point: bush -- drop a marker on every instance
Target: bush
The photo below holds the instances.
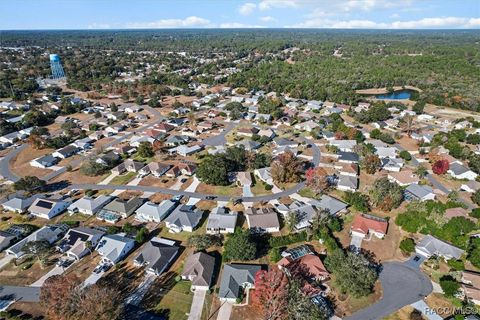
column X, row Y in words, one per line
column 282, row 241
column 475, row 213
column 456, row 264
column 268, row 187
column 274, row 254
column 405, row 155
column 449, row 286
column 407, row 245
column 29, row 183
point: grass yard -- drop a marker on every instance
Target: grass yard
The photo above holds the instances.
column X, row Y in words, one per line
column 176, row 303
column 259, row 189
column 307, row 193
column 123, row 179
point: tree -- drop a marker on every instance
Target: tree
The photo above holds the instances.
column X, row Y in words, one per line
column 204, row 241
column 213, row 170
column 421, row 171
column 357, row 200
column 419, row 106
column 354, row 274
column 141, row 235
column 407, row 245
column 371, row 163
column 449, row 286
column 405, row 155
column 271, row 293
column 29, row 183
column 140, row 100
column 145, row 150
column 91, row 168
column 291, row 220
column 286, row 168
column 474, row 163
column 317, row 179
column 440, row 166
column 474, row 252
column 239, row 246
column 301, row 307
column 386, row 195
column 476, row 197
column 64, row 298
column 407, row 124
column 39, row 249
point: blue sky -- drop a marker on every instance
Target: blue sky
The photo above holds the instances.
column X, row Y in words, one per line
column 123, row 14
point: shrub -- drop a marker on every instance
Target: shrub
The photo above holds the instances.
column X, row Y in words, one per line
column 407, row 245
column 405, row 155
column 456, row 264
column 282, row 241
column 274, row 254
column 449, row 286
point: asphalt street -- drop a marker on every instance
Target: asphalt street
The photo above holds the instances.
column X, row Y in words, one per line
column 402, row 285
column 28, row 294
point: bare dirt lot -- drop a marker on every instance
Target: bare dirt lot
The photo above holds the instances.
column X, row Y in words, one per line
column 20, row 165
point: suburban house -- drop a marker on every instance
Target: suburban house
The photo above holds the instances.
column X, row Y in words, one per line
column 308, row 126
column 84, row 144
column 344, row 145
column 348, row 157
column 6, row 239
column 403, row 178
column 155, row 168
column 47, row 208
column 365, row 225
column 114, row 247
column 392, row 164
column 282, row 142
column 431, row 246
column 150, row 211
column 79, row 242
column 459, row 171
column 50, row 233
column 119, row 208
column 184, row 218
column 198, row 269
column 262, row 220
column 44, row 161
column 470, row 186
column 19, row 204
column 330, row 204
column 220, row 221
column 303, row 256
column 247, row 132
column 185, row 150
column 264, row 175
column 419, row 192
column 349, row 169
column 235, row 279
column 457, row 212
column 187, row 168
column 128, row 165
column 244, row 178
column 108, row 158
column 87, row 205
column 65, row 152
column 156, row 255
column 471, row 286
column 347, row 183
column 249, row 145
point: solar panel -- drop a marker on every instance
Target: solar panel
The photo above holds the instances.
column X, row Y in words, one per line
column 44, row 204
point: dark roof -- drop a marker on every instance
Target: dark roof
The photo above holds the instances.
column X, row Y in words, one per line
column 234, row 276
column 157, row 255
column 348, row 156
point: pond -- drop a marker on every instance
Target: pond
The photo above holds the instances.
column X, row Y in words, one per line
column 397, row 95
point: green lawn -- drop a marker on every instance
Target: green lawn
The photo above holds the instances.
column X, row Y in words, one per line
column 176, row 303
column 308, row 193
column 259, row 189
column 123, row 179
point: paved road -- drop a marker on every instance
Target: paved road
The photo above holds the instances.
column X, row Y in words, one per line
column 4, row 164
column 192, row 194
column 402, row 285
column 197, row 304
column 219, row 140
column 28, row 294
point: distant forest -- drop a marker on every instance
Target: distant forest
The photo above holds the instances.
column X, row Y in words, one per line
column 444, row 63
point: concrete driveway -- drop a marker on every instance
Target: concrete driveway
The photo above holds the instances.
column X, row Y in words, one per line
column 5, row 260
column 225, row 311
column 402, row 285
column 55, row 271
column 93, row 278
column 197, row 304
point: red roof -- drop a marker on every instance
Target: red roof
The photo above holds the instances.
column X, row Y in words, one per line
column 363, row 224
column 312, row 262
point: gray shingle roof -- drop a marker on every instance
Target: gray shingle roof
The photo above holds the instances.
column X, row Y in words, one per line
column 233, row 278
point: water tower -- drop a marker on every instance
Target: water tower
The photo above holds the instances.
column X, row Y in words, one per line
column 56, row 66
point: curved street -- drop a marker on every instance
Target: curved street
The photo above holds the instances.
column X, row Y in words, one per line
column 268, row 197
column 402, row 285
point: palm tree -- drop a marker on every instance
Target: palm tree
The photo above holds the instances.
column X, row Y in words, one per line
column 408, row 124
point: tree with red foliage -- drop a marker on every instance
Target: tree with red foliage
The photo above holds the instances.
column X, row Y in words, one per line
column 270, row 294
column 317, row 179
column 339, row 135
column 440, row 166
column 371, row 163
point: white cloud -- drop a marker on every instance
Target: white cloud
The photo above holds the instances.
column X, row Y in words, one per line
column 247, row 8
column 268, row 4
column 395, row 16
column 96, row 25
column 425, row 23
column 368, row 5
column 238, row 25
column 268, row 19
column 192, row 21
